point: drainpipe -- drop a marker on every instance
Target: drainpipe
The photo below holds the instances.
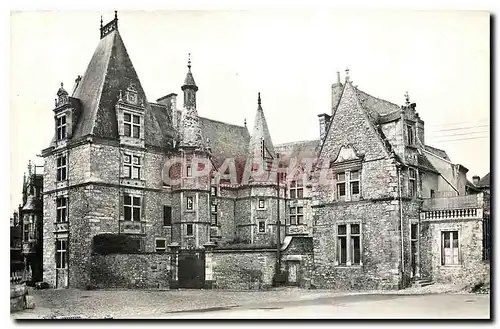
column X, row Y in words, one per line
column 401, row 221
column 278, row 229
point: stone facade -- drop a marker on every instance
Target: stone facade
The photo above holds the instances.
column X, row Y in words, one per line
column 147, row 270
column 243, row 269
column 345, row 214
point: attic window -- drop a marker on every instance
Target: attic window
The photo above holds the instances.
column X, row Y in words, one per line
column 131, row 125
column 410, row 135
column 61, row 127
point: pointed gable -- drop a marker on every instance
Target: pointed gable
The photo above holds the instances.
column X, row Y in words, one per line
column 260, row 142
column 110, row 72
column 351, row 125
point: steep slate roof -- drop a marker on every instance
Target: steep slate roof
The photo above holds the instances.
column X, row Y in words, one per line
column 225, row 140
column 299, row 150
column 424, row 163
column 260, row 132
column 109, row 71
column 437, row 152
column 376, row 107
column 485, row 181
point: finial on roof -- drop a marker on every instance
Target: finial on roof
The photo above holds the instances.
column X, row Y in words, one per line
column 189, row 61
column 347, row 74
column 101, row 22
column 338, row 77
column 29, row 168
column 407, row 98
column 245, row 122
column 116, row 14
column 258, row 99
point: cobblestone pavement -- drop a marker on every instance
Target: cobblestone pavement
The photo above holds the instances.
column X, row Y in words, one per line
column 164, row 303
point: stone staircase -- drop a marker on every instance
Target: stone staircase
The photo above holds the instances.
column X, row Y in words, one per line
column 420, row 282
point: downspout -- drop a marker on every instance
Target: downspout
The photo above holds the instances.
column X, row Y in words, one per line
column 401, row 221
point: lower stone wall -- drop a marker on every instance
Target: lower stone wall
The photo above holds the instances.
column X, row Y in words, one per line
column 471, row 268
column 147, row 270
column 297, row 257
column 243, row 269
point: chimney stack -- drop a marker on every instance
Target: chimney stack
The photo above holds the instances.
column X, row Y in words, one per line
column 476, row 179
column 324, row 120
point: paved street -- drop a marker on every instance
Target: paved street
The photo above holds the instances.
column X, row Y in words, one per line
column 446, row 306
column 279, row 303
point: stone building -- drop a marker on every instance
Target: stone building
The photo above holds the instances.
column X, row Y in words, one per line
column 146, row 194
column 26, row 228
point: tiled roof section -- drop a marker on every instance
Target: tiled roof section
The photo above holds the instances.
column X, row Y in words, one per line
column 437, row 152
column 189, row 80
column 109, row 71
column 299, row 150
column 376, row 107
column 163, row 116
column 336, row 95
column 225, row 140
column 425, row 164
column 485, row 181
column 260, row 133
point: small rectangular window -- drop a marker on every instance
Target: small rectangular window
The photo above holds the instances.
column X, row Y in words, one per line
column 340, row 185
column 296, row 189
column 61, row 210
column 167, row 216
column 61, row 253
column 412, row 182
column 410, row 135
column 262, row 226
column 189, row 171
column 355, row 244
column 189, row 203
column 262, row 204
column 342, row 244
column 132, row 166
column 189, row 229
column 131, row 208
column 213, row 190
column 449, row 248
column 161, row 246
column 61, row 167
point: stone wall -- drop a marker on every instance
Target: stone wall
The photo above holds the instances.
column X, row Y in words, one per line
column 243, row 269
column 380, row 246
column 146, row 270
column 471, row 268
column 299, row 249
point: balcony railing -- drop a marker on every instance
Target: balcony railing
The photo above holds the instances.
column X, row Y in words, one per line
column 452, row 214
column 456, row 202
column 131, row 227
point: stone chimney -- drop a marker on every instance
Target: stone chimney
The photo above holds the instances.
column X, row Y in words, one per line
column 170, row 101
column 476, row 179
column 324, row 120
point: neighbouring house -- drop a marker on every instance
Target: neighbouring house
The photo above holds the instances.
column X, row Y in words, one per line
column 16, row 258
column 30, row 225
column 125, row 204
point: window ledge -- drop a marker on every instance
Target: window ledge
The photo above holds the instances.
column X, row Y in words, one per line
column 190, row 210
column 349, row 266
column 451, row 266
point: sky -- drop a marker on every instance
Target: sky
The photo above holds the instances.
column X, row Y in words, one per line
column 442, row 58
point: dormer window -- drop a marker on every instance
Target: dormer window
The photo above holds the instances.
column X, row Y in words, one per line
column 410, row 135
column 131, row 125
column 61, row 127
